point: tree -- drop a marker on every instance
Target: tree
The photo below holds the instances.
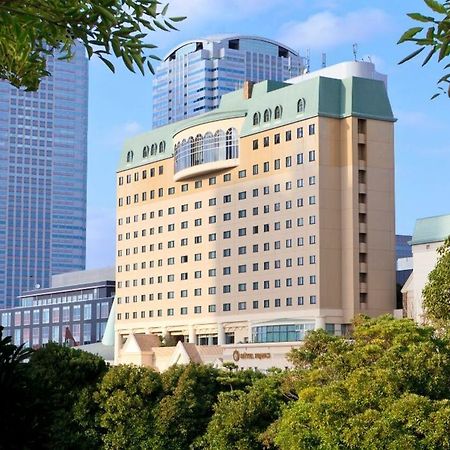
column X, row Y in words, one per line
column 241, row 418
column 57, row 375
column 183, row 414
column 386, row 387
column 31, row 31
column 434, row 36
column 436, row 294
column 15, row 396
column 122, row 407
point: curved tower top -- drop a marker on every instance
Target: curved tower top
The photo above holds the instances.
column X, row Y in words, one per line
column 234, row 41
column 195, row 74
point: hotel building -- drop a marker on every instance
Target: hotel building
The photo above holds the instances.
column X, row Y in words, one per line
column 265, row 218
column 194, row 75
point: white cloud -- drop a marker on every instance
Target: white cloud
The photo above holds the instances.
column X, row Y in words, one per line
column 326, row 30
column 132, row 128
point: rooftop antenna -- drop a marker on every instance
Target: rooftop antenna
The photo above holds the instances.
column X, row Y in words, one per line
column 369, row 58
column 355, row 51
column 308, row 60
column 324, row 60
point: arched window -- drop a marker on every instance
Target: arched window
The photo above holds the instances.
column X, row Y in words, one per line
column 145, row 151
column 162, row 146
column 183, row 158
column 267, row 115
column 256, row 118
column 231, row 144
column 190, row 146
column 198, row 150
column 130, row 156
column 219, row 145
column 301, row 105
column 153, row 149
column 208, row 147
column 278, row 111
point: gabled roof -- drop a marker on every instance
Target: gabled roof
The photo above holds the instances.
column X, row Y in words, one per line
column 431, row 229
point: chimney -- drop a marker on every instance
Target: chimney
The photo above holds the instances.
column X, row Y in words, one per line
column 248, row 88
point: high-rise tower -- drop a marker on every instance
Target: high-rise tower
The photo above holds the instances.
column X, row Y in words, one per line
column 194, row 75
column 43, row 169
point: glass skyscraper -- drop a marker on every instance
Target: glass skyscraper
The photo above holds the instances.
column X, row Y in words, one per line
column 193, row 77
column 43, row 169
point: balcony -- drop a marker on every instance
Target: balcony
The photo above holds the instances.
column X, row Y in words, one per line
column 206, row 153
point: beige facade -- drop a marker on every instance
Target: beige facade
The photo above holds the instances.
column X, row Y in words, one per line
column 429, row 235
column 293, row 229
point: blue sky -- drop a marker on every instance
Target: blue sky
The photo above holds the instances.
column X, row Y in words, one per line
column 120, row 105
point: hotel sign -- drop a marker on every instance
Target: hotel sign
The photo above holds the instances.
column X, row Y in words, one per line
column 237, row 355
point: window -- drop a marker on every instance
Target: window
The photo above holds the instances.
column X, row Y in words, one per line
column 299, row 132
column 255, row 169
column 266, row 166
column 267, row 115
column 255, row 144
column 312, row 155
column 242, row 306
column 312, row 299
column 276, row 138
column 211, row 308
column 212, row 181
column 288, row 135
column 266, row 141
column 301, row 104
column 256, row 118
column 212, row 202
column 226, row 307
column 242, row 174
column 130, row 156
column 299, row 158
column 227, row 198
column 227, row 177
column 312, row 129
column 197, row 309
column 278, row 112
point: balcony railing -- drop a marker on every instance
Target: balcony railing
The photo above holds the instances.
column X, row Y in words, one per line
column 207, row 149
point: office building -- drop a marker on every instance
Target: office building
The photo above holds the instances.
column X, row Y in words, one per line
column 194, row 75
column 43, row 168
column 266, row 218
column 429, row 234
column 74, row 310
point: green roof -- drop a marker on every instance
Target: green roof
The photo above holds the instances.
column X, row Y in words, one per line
column 323, row 96
column 431, row 229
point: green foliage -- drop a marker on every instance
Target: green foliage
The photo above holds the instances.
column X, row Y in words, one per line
column 15, row 396
column 30, row 31
column 184, row 412
column 124, row 403
column 241, row 418
column 436, row 294
column 386, row 388
column 433, row 36
column 57, row 375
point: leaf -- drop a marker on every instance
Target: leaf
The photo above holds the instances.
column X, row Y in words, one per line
column 160, row 25
column 432, row 52
column 420, row 18
column 177, row 18
column 407, row 35
column 150, row 67
column 128, row 62
column 164, row 11
column 436, row 6
column 412, row 55
column 108, row 63
column 444, row 49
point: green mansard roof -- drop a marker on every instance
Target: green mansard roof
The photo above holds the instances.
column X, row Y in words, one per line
column 327, row 97
column 431, row 229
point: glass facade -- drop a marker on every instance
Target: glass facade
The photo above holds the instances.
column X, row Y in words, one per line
column 43, row 169
column 193, row 77
column 53, row 314
column 281, row 333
